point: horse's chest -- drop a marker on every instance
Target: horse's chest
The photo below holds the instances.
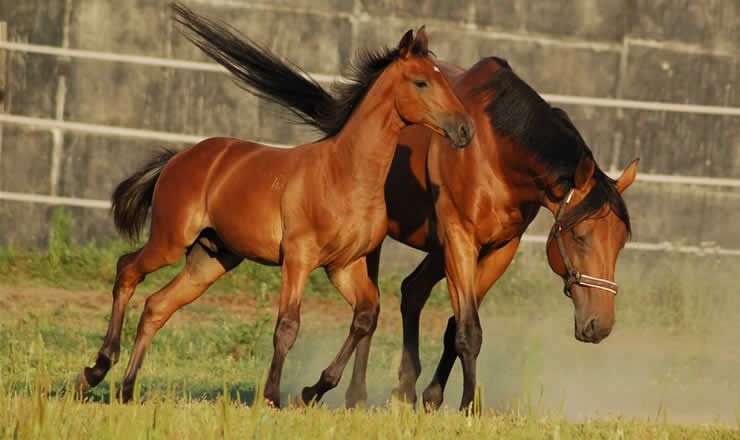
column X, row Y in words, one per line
column 355, row 233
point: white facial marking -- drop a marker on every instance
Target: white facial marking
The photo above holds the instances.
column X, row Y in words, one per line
column 436, row 69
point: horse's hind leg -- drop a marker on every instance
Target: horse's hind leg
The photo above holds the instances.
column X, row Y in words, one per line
column 131, row 270
column 415, row 291
column 357, row 287
column 202, row 268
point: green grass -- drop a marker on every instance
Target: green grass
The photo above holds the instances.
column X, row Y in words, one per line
column 664, row 290
column 202, row 375
column 203, row 371
column 40, row 415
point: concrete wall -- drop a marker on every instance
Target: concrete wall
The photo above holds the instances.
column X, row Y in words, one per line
column 656, row 50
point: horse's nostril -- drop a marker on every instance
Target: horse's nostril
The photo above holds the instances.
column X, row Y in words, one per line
column 466, row 131
column 589, row 332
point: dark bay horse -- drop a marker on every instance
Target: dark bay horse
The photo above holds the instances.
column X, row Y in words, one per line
column 469, row 208
column 478, row 203
column 316, row 205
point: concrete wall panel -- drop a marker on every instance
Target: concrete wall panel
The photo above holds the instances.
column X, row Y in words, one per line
column 657, row 50
column 596, row 20
column 713, row 24
column 24, row 225
column 25, row 160
column 316, row 42
column 666, row 75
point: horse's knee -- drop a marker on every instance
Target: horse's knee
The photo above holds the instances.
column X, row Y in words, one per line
column 468, row 339
column 365, row 321
column 286, row 333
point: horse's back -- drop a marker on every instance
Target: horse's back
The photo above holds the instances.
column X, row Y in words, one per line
column 231, row 186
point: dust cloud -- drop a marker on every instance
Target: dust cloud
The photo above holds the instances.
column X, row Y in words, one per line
column 649, row 373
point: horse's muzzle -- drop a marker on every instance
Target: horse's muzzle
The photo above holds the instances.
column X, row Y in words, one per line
column 460, row 132
column 594, row 331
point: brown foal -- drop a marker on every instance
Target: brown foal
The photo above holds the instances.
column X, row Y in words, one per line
column 316, row 205
column 468, row 209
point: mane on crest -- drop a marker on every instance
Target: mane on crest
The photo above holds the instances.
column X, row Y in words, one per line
column 518, row 112
column 359, row 76
column 264, row 74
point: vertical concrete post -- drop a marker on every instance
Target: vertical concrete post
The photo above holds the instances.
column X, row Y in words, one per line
column 61, row 95
column 3, row 36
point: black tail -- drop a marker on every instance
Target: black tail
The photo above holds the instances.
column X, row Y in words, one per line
column 258, row 70
column 132, row 198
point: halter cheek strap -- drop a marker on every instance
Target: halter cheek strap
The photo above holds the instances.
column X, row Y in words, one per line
column 572, row 275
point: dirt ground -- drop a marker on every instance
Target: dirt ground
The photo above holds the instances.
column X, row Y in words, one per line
column 691, row 376
column 332, row 312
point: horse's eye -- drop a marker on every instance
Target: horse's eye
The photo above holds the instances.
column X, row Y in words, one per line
column 420, row 84
column 580, row 239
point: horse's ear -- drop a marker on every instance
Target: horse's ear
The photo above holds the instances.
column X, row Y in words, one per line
column 628, row 176
column 584, row 171
column 421, row 43
column 407, row 42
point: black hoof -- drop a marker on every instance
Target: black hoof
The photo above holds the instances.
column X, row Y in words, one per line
column 432, row 398
column 408, row 397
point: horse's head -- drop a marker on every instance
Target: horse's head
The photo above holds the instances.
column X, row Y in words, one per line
column 584, row 244
column 424, row 94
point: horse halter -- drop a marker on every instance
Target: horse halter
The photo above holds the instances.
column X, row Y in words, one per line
column 573, row 276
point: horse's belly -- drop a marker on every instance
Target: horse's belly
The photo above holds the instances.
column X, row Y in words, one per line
column 254, row 238
column 245, row 214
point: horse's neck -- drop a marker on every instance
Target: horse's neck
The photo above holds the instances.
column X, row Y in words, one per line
column 537, row 185
column 521, row 171
column 366, row 144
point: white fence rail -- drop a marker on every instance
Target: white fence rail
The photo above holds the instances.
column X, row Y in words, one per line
column 187, row 138
column 54, row 124
column 212, row 67
column 531, row 238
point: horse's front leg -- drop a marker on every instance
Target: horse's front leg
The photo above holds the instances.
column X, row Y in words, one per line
column 362, row 292
column 356, row 395
column 489, row 268
column 461, row 254
column 293, row 281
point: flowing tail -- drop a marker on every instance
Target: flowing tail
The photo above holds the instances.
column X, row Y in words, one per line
column 258, row 70
column 132, row 198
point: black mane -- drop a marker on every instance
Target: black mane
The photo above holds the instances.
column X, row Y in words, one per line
column 264, row 74
column 362, row 72
column 518, row 112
